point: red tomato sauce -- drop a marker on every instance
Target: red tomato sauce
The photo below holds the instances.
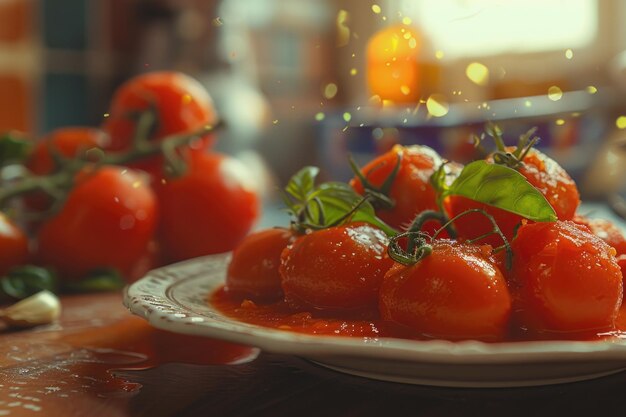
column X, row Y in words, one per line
column 278, row 315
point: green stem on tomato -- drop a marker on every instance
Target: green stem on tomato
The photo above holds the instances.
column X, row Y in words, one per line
column 418, row 247
column 496, row 230
column 380, row 195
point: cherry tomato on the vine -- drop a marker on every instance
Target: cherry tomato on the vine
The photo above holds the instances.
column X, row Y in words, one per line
column 544, row 174
column 411, row 191
column 456, row 292
column 107, row 220
column 339, row 268
column 564, row 280
column 13, row 245
column 207, row 210
column 68, row 142
column 253, row 270
column 182, row 105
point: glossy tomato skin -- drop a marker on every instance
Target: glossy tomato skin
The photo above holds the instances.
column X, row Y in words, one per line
column 621, row 261
column 564, row 280
column 411, row 191
column 210, row 209
column 108, row 220
column 544, row 174
column 69, row 142
column 606, row 231
column 182, row 103
column 183, row 106
column 339, row 268
column 455, row 293
column 14, row 247
column 253, row 269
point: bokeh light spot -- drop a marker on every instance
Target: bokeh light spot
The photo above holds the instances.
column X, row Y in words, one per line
column 437, row 105
column 330, row 90
column 343, row 31
column 477, row 73
column 555, row 93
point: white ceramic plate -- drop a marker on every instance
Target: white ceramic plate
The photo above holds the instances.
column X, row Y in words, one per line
column 174, row 298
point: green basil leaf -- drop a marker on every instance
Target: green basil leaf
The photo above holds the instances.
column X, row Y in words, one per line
column 366, row 214
column 24, row 281
column 339, row 199
column 302, row 183
column 504, row 188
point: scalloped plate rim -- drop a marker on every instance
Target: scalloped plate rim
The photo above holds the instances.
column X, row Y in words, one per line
column 174, row 316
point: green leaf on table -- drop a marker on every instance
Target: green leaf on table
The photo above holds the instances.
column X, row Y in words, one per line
column 14, row 148
column 24, row 281
column 99, row 280
column 502, row 187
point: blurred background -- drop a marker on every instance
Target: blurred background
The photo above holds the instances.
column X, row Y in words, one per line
column 309, row 82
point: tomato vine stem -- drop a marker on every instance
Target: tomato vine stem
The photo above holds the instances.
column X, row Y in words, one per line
column 57, row 184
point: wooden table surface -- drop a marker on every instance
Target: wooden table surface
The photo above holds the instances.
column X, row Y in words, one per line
column 99, row 360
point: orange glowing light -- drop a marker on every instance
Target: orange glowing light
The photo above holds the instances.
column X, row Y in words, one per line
column 396, row 71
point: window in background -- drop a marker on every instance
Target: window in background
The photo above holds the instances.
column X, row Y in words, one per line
column 474, row 28
column 527, row 45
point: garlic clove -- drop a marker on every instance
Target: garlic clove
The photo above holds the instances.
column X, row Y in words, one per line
column 41, row 308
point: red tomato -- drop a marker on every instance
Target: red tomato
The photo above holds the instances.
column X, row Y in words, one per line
column 210, row 209
column 253, row 269
column 182, row 103
column 621, row 261
column 457, row 292
column 564, row 279
column 411, row 190
column 68, row 141
column 544, row 174
column 606, row 231
column 108, row 220
column 13, row 245
column 339, row 268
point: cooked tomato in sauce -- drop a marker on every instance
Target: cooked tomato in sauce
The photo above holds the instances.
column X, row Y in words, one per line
column 546, row 279
column 278, row 315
